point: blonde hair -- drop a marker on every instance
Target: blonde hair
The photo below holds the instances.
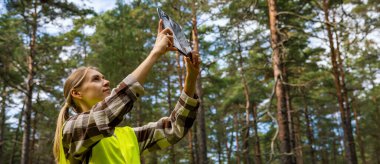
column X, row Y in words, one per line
column 75, row 80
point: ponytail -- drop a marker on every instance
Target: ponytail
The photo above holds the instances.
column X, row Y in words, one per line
column 62, row 117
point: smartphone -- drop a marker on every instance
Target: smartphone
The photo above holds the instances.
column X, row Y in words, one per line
column 179, row 38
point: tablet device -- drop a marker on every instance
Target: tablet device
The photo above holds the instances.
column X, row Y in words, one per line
column 179, row 38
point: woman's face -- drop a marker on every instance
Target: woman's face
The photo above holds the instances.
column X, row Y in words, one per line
column 94, row 88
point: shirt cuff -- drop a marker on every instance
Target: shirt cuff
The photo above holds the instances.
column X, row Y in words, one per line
column 133, row 85
column 193, row 102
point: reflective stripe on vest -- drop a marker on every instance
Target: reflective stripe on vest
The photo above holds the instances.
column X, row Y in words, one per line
column 122, row 147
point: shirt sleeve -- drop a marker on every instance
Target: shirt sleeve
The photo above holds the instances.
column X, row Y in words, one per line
column 168, row 130
column 82, row 131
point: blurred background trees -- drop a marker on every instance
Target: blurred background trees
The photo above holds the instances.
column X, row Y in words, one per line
column 298, row 84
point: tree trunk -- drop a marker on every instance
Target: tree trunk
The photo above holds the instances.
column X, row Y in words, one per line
column 2, row 119
column 15, row 139
column 334, row 151
column 349, row 142
column 309, row 131
column 325, row 156
column 376, row 154
column 297, row 138
column 358, row 135
column 282, row 118
column 293, row 122
column 169, row 100
column 219, row 145
column 196, row 143
column 201, row 124
column 32, row 145
column 29, row 89
column 236, row 127
column 294, row 125
column 229, row 144
column 247, row 103
column 256, row 147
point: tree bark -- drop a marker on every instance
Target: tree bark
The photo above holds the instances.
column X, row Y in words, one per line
column 293, row 122
column 229, row 144
column 358, row 135
column 3, row 118
column 196, row 143
column 236, row 127
column 334, row 151
column 282, row 117
column 15, row 139
column 297, row 138
column 256, row 147
column 349, row 142
column 201, row 124
column 219, row 145
column 324, row 156
column 32, row 145
column 29, row 90
column 309, row 131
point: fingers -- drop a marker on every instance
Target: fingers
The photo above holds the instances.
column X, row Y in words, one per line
column 171, row 49
column 170, row 43
column 159, row 26
column 188, row 62
column 171, row 40
column 195, row 58
column 194, row 62
column 169, row 34
column 167, row 31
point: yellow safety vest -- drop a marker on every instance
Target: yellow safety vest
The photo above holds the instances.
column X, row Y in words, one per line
column 122, row 147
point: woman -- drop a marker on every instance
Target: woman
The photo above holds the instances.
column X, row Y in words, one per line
column 91, row 136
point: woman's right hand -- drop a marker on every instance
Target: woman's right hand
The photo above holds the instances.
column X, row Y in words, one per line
column 164, row 41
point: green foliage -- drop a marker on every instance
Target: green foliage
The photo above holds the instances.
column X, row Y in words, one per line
column 125, row 35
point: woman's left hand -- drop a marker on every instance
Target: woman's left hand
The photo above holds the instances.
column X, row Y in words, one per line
column 192, row 72
column 164, row 41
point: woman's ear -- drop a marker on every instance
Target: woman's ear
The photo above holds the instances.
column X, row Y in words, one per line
column 76, row 94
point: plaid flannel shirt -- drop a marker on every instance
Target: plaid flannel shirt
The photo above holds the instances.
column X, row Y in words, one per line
column 83, row 130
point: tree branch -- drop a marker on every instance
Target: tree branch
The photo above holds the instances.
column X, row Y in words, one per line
column 303, row 17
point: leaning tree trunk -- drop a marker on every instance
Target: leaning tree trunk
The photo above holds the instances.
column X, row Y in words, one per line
column 345, row 113
column 25, row 151
column 282, row 118
column 201, row 123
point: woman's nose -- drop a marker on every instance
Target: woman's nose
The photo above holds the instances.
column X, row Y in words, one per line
column 106, row 82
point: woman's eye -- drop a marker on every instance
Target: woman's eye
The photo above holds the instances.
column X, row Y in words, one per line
column 96, row 78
